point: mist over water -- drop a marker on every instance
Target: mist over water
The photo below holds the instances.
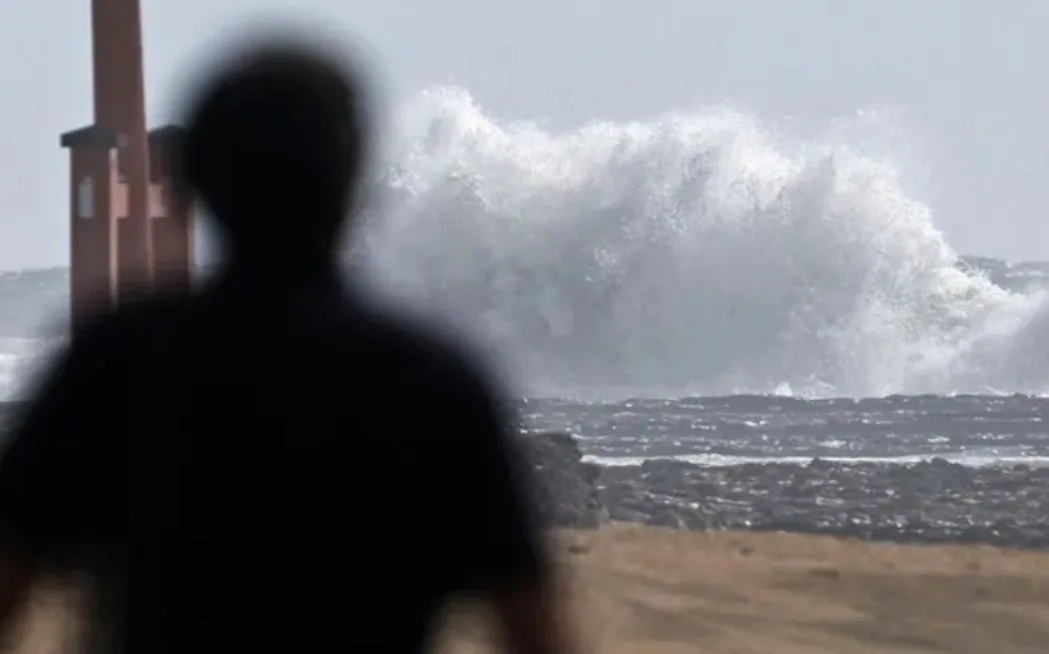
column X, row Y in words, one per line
column 697, row 253
column 19, row 358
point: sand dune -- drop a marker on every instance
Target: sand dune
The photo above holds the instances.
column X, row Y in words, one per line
column 643, row 590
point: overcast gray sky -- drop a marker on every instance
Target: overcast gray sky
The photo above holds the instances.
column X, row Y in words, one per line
column 966, row 76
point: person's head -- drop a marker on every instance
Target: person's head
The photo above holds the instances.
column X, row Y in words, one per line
column 274, row 147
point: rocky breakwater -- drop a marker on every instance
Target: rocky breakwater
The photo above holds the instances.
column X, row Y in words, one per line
column 934, row 501
column 565, row 486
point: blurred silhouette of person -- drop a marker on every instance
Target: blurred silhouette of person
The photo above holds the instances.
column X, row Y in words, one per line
column 273, row 464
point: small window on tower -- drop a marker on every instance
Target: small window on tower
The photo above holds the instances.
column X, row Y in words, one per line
column 114, row 161
column 86, row 198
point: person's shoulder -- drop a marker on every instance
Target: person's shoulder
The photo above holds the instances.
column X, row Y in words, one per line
column 142, row 315
column 130, row 325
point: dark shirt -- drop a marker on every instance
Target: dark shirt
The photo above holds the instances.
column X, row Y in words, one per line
column 269, row 469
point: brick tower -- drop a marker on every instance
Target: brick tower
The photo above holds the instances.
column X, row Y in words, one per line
column 126, row 238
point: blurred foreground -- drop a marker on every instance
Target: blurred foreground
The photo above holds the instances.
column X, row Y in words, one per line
column 643, row 590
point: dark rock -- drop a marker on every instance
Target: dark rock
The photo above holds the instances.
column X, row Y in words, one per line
column 566, row 491
column 935, row 501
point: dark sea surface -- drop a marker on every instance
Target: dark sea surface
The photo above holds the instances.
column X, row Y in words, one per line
column 970, row 430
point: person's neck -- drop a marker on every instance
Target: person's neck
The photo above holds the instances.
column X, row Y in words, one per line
column 278, row 272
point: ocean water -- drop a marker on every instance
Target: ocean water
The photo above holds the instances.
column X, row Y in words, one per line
column 699, row 285
column 969, row 430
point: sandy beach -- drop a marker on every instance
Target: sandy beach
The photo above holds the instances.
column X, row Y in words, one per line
column 642, row 590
